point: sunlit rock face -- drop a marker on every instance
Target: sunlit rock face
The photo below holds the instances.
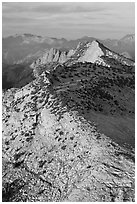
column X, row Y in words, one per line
column 92, row 53
column 53, row 55
column 51, row 153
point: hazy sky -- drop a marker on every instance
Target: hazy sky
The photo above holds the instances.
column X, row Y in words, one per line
column 69, row 20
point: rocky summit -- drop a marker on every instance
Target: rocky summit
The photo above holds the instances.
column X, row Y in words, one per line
column 54, row 145
column 94, row 52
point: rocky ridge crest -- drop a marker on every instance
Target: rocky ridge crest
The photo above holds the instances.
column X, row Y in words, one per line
column 59, row 155
column 94, row 52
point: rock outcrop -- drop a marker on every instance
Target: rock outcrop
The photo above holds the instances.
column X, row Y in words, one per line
column 53, row 55
column 53, row 154
column 94, row 52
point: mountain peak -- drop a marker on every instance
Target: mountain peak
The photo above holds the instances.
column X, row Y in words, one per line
column 96, row 52
column 92, row 52
column 128, row 38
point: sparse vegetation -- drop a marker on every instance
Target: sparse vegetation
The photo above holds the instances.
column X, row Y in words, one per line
column 53, row 134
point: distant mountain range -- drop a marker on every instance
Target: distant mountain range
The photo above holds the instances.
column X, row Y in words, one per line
column 27, row 47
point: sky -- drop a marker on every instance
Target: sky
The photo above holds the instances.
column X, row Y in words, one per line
column 69, row 20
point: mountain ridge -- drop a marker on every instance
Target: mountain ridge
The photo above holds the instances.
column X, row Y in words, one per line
column 68, row 132
column 30, row 44
column 58, row 153
column 84, row 52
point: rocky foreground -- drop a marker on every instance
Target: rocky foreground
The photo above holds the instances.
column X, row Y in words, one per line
column 51, row 153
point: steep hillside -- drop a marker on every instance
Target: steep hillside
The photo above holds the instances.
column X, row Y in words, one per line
column 68, row 135
column 94, row 52
column 99, row 93
column 17, row 75
column 52, row 153
column 53, row 55
column 98, row 53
